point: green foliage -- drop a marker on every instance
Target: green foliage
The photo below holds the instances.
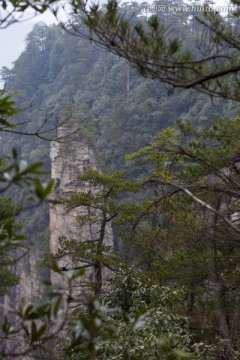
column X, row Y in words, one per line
column 15, row 173
column 168, row 234
column 99, row 206
column 36, row 328
column 143, row 321
column 188, row 232
column 176, row 55
column 6, row 109
column 106, row 192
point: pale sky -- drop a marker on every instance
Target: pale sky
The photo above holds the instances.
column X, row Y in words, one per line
column 12, row 39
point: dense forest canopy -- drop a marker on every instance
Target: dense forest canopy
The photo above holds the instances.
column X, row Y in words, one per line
column 169, row 183
column 204, row 58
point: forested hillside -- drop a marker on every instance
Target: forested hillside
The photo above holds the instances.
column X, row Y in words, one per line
column 60, row 77
column 170, row 186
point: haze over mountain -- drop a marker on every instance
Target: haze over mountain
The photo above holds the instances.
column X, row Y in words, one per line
column 12, row 39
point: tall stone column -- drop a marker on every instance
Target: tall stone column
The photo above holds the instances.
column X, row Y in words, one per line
column 69, row 155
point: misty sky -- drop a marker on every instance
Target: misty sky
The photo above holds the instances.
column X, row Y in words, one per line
column 12, row 39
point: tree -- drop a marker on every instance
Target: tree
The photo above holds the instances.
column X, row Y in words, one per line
column 141, row 319
column 191, row 225
column 211, row 66
column 15, row 173
column 10, row 235
column 182, row 173
column 15, row 11
column 102, row 207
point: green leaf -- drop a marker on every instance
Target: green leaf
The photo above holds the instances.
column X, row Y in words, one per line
column 54, row 265
column 49, row 187
column 178, row 354
column 32, row 169
column 28, row 311
column 56, row 306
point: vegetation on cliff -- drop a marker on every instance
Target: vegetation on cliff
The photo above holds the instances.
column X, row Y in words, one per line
column 175, row 291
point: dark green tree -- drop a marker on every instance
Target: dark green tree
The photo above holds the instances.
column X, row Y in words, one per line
column 211, row 65
column 103, row 205
column 188, row 233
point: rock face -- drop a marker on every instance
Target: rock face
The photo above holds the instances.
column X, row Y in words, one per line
column 69, row 156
